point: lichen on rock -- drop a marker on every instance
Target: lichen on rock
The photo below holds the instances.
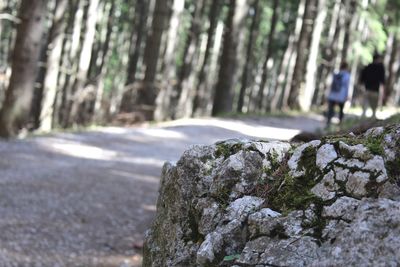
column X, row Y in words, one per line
column 330, row 202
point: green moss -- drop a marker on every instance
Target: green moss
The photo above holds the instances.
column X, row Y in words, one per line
column 292, row 194
column 222, row 196
column 195, row 235
column 375, row 145
column 226, row 149
column 287, row 193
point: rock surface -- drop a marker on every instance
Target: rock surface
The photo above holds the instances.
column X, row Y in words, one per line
column 330, row 202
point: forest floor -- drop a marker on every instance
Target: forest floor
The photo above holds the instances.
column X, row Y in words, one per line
column 86, row 199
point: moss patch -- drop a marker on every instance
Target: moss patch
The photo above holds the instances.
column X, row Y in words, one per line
column 226, row 149
column 288, row 193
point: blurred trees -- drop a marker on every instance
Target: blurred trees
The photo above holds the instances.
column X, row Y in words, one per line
column 93, row 61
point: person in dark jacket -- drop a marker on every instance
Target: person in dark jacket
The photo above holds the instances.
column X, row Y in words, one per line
column 338, row 93
column 373, row 79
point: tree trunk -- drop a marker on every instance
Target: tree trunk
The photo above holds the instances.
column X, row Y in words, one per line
column 147, row 94
column 329, row 52
column 84, row 61
column 71, row 47
column 265, row 67
column 249, row 54
column 54, row 47
column 189, row 69
column 138, row 32
column 302, row 53
column 105, row 51
column 24, row 67
column 293, row 54
column 165, row 106
column 393, row 67
column 349, row 20
column 307, row 95
column 201, row 87
column 224, row 89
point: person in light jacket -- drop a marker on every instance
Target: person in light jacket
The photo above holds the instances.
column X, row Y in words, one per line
column 338, row 92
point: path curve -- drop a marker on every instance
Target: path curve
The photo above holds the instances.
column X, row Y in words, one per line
column 86, row 199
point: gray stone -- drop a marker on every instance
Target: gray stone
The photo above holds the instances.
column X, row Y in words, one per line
column 356, row 184
column 371, row 239
column 326, row 188
column 242, row 207
column 343, row 208
column 298, row 152
column 341, row 174
column 350, row 163
column 357, row 151
column 390, row 191
column 211, row 245
column 325, row 155
column 212, row 207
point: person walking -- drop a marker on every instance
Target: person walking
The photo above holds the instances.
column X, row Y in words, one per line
column 338, row 93
column 373, row 79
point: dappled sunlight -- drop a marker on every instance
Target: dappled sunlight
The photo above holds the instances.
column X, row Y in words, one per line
column 80, row 150
column 381, row 113
column 162, row 133
column 133, row 176
column 243, row 128
column 143, row 161
column 84, row 151
column 113, row 130
column 149, row 207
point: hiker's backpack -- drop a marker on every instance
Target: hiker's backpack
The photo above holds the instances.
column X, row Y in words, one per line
column 337, row 82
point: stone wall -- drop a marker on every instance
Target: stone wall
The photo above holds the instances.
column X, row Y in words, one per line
column 330, row 202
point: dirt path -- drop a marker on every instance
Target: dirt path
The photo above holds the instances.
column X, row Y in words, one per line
column 86, row 199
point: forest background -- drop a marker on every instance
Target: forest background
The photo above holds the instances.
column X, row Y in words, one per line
column 77, row 62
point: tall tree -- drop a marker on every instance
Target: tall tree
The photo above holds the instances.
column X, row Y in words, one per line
column 54, row 47
column 24, row 67
column 302, row 52
column 84, row 61
column 249, row 53
column 138, row 34
column 146, row 96
column 202, row 85
column 306, row 96
column 168, row 93
column 265, row 67
column 224, row 89
column 190, row 67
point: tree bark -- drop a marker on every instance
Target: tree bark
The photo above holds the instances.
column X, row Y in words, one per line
column 190, row 67
column 24, row 67
column 302, row 53
column 265, row 67
column 349, row 20
column 249, row 54
column 165, row 106
column 293, row 54
column 138, row 32
column 393, row 68
column 54, row 48
column 84, row 61
column 146, row 96
column 201, row 87
column 224, row 89
column 70, row 52
column 307, row 95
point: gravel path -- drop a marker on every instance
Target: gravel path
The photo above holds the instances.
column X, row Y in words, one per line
column 86, row 199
